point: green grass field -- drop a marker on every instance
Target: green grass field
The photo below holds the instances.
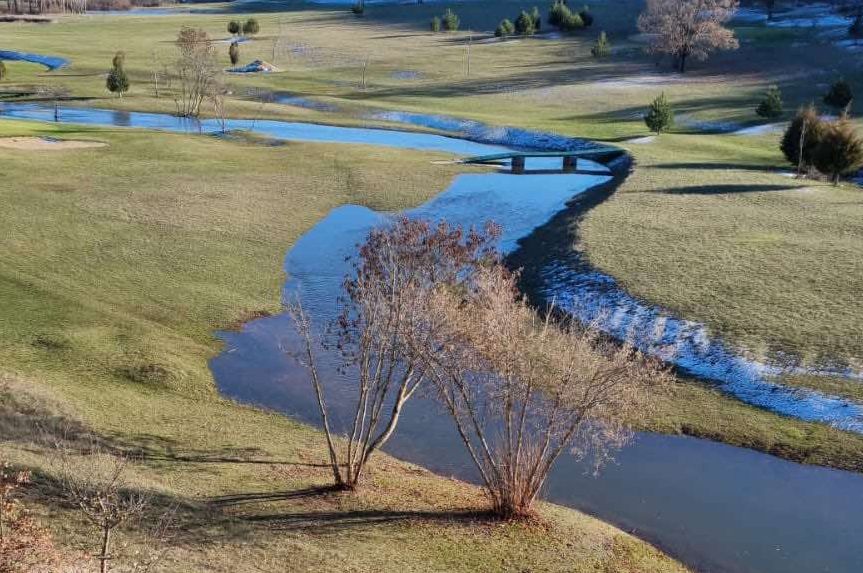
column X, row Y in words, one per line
column 121, row 259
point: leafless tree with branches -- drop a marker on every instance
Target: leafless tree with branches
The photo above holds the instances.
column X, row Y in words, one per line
column 523, row 390
column 377, row 333
column 684, row 28
column 196, row 69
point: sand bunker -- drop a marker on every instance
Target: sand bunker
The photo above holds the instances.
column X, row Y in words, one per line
column 46, row 143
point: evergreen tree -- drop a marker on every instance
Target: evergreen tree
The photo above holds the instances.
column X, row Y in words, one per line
column 504, row 29
column 602, row 47
column 451, row 21
column 660, row 116
column 251, row 27
column 435, row 24
column 234, row 27
column 840, row 95
column 117, row 81
column 771, row 106
column 586, row 16
column 234, row 53
column 524, row 25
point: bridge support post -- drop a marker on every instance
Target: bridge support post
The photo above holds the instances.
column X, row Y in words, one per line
column 518, row 165
column 570, row 163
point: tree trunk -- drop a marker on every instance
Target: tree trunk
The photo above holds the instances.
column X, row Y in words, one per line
column 682, row 63
column 103, row 555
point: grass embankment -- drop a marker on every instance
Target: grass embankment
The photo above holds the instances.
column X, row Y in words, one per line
column 712, row 237
column 118, row 264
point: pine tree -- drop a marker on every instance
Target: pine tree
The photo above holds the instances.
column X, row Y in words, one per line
column 117, row 81
column 771, row 106
column 840, row 95
column 602, row 47
column 524, row 25
column 435, row 24
column 660, row 116
column 504, row 29
column 451, row 21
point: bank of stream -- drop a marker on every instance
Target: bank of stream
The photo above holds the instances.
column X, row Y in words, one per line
column 716, row 507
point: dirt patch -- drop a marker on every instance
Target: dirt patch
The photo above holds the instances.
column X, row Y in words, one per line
column 46, row 144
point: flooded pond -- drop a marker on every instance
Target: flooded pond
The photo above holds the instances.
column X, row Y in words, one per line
column 717, row 508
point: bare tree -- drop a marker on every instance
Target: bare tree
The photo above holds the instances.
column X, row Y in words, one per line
column 688, row 28
column 377, row 332
column 522, row 390
column 196, row 69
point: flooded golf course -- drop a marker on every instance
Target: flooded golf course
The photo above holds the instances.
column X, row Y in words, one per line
column 715, row 507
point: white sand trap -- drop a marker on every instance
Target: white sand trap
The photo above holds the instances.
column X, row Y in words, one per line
column 46, row 144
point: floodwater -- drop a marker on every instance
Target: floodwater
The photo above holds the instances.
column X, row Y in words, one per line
column 716, row 507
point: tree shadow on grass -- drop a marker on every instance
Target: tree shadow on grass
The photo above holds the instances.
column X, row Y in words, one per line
column 723, row 189
column 716, row 166
column 339, row 521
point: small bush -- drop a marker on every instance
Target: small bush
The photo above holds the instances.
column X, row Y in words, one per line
column 771, row 106
column 839, row 150
column 435, row 24
column 251, row 27
column 840, row 95
column 2, row 71
column 602, row 47
column 586, row 16
column 451, row 21
column 504, row 29
column 234, row 27
column 234, row 53
column 660, row 116
column 524, row 25
column 801, row 137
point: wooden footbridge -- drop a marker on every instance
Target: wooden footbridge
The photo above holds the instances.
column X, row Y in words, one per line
column 516, row 159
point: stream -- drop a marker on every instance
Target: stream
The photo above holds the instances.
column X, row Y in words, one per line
column 715, row 507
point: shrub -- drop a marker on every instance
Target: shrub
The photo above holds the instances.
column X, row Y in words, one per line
column 251, row 27
column 234, row 53
column 801, row 137
column 435, row 25
column 524, row 25
column 586, row 16
column 839, row 150
column 840, row 95
column 117, row 81
column 771, row 106
column 359, row 7
column 505, row 28
column 660, row 116
column 602, row 47
column 234, row 27
column 451, row 21
column 2, row 70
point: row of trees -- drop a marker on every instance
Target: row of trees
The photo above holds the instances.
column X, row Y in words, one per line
column 431, row 309
column 248, row 28
column 561, row 17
